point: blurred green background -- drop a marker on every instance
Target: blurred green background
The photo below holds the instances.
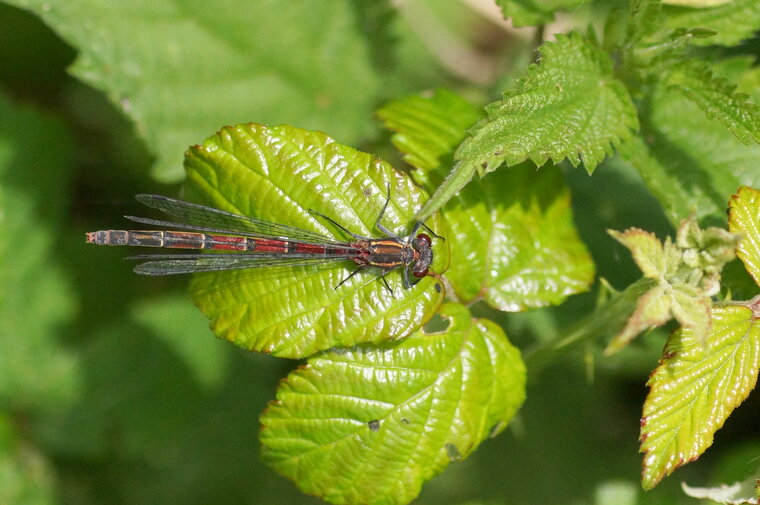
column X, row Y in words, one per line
column 112, row 387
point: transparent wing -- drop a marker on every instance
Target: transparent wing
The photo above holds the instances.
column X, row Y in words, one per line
column 342, row 246
column 171, row 264
column 202, row 218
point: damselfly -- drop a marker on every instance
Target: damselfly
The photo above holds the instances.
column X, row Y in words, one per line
column 258, row 243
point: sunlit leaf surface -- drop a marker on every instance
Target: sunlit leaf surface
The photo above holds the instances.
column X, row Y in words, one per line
column 371, row 424
column 278, row 174
column 695, row 388
column 744, row 218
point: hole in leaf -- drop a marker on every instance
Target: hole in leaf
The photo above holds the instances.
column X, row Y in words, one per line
column 437, row 324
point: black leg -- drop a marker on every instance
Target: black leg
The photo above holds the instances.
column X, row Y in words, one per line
column 350, row 275
column 335, row 223
column 378, row 224
column 419, row 224
column 385, row 281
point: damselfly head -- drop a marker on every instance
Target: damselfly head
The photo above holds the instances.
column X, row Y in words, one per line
column 422, row 245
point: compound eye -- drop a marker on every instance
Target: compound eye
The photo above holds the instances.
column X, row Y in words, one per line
column 425, row 239
column 421, row 273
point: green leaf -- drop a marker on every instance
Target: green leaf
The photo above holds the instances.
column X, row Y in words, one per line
column 744, row 218
column 690, row 170
column 612, row 310
column 527, row 12
column 372, row 424
column 717, row 98
column 181, row 69
column 427, row 130
column 278, row 174
column 516, row 245
column 569, row 105
column 643, row 20
column 733, row 21
column 206, row 359
column 36, row 300
column 695, row 388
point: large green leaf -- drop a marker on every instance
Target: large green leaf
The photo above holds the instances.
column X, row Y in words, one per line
column 36, row 370
column 690, row 170
column 278, row 174
column 372, row 424
column 744, row 218
column 733, row 21
column 180, row 69
column 695, row 388
column 570, row 105
column 516, row 245
column 514, row 241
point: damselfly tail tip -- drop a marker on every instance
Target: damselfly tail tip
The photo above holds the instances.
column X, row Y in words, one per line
column 92, row 237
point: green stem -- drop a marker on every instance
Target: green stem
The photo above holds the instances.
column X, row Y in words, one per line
column 607, row 319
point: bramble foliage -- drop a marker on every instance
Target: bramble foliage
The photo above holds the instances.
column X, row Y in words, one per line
column 641, row 116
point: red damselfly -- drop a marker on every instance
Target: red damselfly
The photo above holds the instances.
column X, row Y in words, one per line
column 256, row 243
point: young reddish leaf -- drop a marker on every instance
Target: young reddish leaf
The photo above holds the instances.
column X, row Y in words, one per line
column 695, row 388
column 371, row 424
column 744, row 218
column 278, row 174
column 687, row 272
column 655, row 260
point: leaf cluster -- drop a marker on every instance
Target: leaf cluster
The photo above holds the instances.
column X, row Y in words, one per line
column 110, row 387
